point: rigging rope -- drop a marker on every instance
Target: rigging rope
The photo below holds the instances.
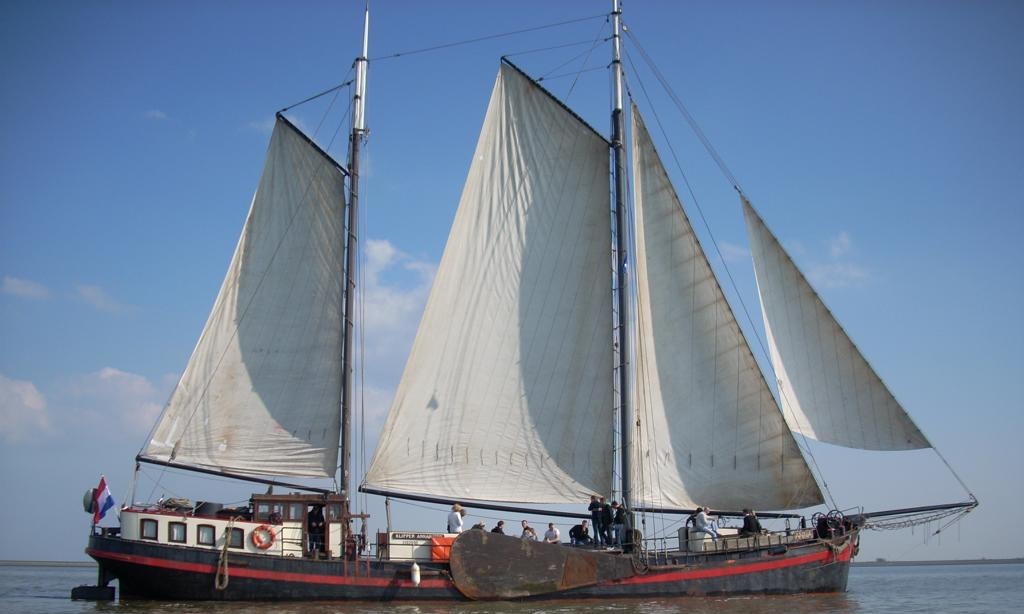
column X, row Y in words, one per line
column 484, row 38
column 221, row 579
column 323, row 93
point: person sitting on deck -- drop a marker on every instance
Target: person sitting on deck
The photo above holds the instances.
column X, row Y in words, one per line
column 751, row 525
column 528, row 533
column 499, row 528
column 552, row 536
column 579, row 535
column 702, row 523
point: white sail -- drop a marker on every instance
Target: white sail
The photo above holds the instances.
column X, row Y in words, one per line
column 507, row 393
column 261, row 392
column 712, row 432
column 828, row 390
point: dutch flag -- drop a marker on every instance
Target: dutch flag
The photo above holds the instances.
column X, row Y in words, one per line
column 102, row 501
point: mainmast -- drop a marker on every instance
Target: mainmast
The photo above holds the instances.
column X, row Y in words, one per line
column 352, row 249
column 622, row 240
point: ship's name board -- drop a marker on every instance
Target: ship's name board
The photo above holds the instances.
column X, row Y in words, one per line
column 420, row 536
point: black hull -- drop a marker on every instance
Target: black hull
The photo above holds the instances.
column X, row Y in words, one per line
column 156, row 571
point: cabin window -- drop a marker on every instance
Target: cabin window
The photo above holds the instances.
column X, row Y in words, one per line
column 149, row 528
column 206, row 535
column 334, row 512
column 176, row 532
column 270, row 512
column 237, row 539
column 295, row 511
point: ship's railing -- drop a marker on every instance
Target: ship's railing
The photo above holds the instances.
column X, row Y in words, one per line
column 665, row 549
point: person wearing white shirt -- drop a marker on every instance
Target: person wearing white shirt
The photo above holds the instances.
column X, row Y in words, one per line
column 455, row 519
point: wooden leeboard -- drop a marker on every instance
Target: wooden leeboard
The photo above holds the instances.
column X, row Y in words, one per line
column 490, row 566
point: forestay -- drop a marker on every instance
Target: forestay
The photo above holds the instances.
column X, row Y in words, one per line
column 828, row 390
column 507, row 393
column 712, row 432
column 261, row 392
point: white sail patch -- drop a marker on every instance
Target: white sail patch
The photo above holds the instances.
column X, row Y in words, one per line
column 261, row 393
column 712, row 433
column 507, row 393
column 828, row 390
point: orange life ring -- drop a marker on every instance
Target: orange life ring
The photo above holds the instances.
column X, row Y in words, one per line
column 262, row 537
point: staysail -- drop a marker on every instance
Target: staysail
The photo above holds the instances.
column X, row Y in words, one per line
column 261, row 393
column 507, row 394
column 712, row 431
column 828, row 390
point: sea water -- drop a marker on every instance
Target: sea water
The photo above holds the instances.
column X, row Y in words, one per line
column 935, row 589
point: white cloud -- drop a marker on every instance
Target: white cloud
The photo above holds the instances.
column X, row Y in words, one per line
column 733, row 253
column 395, row 287
column 156, row 114
column 393, row 305
column 839, row 272
column 840, row 245
column 22, row 410
column 114, row 397
column 24, row 288
column 263, row 126
column 837, row 275
column 98, row 298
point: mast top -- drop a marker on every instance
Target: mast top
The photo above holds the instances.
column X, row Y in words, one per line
column 358, row 112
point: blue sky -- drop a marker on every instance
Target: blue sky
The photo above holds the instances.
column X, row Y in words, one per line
column 882, row 141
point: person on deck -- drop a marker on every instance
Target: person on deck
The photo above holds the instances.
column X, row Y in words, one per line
column 455, row 519
column 499, row 528
column 552, row 535
column 702, row 523
column 751, row 525
column 579, row 535
column 606, row 522
column 595, row 518
column 619, row 523
column 315, row 526
column 528, row 533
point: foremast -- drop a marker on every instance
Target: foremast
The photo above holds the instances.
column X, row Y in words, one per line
column 351, row 252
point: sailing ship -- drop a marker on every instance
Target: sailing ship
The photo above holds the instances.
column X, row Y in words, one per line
column 565, row 342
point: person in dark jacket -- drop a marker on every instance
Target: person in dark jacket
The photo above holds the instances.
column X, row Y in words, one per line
column 315, row 527
column 595, row 519
column 751, row 525
column 619, row 523
column 579, row 535
column 606, row 522
column 499, row 528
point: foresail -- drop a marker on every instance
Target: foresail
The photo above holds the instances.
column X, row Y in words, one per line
column 507, row 393
column 712, row 433
column 828, row 390
column 261, row 392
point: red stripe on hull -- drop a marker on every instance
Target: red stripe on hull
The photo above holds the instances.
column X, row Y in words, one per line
column 744, row 568
column 260, row 574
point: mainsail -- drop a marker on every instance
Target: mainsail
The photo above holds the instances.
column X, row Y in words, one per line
column 507, row 394
column 712, row 432
column 261, row 393
column 828, row 390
